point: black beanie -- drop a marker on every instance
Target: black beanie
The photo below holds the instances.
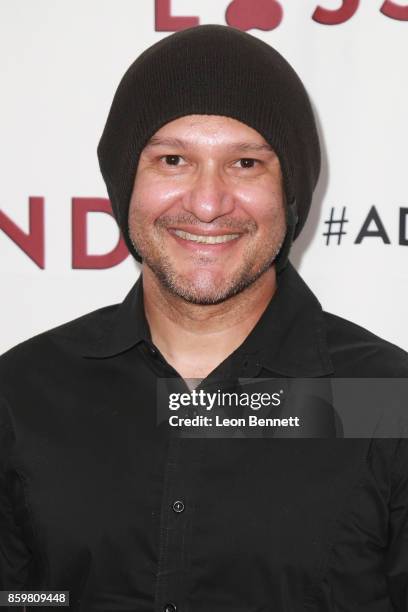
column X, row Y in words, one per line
column 212, row 70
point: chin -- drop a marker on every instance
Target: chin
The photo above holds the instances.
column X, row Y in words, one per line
column 207, row 288
column 199, row 288
column 201, row 298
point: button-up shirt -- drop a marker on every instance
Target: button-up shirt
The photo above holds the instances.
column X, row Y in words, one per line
column 98, row 500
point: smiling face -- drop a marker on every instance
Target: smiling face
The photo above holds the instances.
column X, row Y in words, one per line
column 207, row 208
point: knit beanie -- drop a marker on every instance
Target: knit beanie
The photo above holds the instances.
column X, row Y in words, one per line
column 212, row 70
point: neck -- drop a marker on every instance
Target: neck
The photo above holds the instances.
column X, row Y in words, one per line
column 194, row 339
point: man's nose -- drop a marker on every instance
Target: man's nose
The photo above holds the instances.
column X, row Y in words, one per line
column 209, row 195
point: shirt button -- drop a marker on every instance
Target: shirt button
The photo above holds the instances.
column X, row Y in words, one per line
column 153, row 351
column 178, row 506
column 170, row 607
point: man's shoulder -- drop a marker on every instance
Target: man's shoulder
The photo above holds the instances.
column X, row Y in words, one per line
column 70, row 336
column 356, row 351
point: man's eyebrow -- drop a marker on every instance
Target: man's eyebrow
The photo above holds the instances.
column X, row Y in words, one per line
column 183, row 144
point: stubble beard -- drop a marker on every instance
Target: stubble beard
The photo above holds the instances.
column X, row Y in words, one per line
column 205, row 293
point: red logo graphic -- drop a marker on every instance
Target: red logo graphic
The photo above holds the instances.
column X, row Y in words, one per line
column 395, row 11
column 166, row 22
column 80, row 256
column 259, row 14
column 268, row 14
column 33, row 242
column 334, row 17
column 349, row 8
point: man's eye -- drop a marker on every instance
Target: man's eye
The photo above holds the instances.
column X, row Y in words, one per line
column 172, row 160
column 247, row 162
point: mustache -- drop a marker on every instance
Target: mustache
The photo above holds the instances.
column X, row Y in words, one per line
column 166, row 221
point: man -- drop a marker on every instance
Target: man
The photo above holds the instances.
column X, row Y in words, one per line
column 210, row 155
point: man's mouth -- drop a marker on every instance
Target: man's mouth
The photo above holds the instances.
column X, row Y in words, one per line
column 205, row 239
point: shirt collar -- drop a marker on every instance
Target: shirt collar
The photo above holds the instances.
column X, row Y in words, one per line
column 289, row 338
column 126, row 327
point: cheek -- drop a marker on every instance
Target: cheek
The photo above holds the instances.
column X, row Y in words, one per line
column 264, row 205
column 152, row 197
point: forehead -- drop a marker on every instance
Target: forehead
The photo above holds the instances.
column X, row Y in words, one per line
column 208, row 130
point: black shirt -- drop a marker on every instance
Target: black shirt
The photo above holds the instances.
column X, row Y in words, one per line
column 96, row 499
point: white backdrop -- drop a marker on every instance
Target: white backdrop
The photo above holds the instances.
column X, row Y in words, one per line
column 60, row 65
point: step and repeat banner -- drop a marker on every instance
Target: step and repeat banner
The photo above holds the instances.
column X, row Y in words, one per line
column 60, row 251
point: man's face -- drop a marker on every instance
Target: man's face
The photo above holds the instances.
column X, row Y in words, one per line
column 207, row 212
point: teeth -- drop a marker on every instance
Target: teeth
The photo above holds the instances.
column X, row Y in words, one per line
column 205, row 239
